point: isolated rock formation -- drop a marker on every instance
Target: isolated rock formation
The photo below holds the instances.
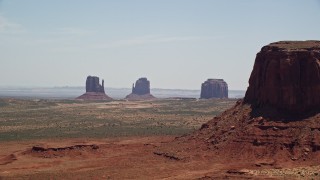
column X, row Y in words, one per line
column 92, row 84
column 142, row 87
column 286, row 75
column 94, row 91
column 140, row 90
column 214, row 88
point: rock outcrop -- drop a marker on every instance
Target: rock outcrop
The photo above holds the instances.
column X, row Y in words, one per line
column 286, row 76
column 140, row 90
column 214, row 88
column 141, row 87
column 94, row 90
column 92, row 84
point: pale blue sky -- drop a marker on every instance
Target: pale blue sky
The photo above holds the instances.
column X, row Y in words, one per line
column 175, row 43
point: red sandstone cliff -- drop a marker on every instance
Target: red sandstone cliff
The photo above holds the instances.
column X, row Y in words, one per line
column 286, row 75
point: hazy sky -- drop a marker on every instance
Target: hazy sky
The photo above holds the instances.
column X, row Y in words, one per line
column 174, row 43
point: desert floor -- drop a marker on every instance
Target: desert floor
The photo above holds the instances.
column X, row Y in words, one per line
column 66, row 139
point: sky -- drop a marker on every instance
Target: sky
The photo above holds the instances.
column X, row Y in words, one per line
column 176, row 44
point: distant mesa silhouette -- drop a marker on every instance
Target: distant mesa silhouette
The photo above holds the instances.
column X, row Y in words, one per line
column 94, row 90
column 140, row 90
column 214, row 88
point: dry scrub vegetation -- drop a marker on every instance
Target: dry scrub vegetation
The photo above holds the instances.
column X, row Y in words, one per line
column 42, row 119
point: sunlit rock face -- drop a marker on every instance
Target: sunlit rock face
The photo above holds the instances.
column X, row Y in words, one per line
column 286, row 76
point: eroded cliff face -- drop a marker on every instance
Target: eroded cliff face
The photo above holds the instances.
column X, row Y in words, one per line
column 214, row 88
column 286, row 75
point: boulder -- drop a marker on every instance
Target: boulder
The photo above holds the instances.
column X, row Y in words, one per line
column 214, row 88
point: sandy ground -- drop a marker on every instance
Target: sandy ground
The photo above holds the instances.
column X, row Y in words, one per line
column 36, row 143
column 124, row 158
column 121, row 158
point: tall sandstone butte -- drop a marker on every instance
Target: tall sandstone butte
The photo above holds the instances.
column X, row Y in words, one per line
column 92, row 84
column 141, row 87
column 286, row 76
column 214, row 88
column 94, row 90
column 264, row 129
column 140, row 90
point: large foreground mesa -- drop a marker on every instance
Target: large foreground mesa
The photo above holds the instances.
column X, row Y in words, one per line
column 140, row 90
column 277, row 124
column 286, row 75
column 94, row 91
column 214, row 88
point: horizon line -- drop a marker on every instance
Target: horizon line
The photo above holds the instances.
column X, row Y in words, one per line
column 52, row 87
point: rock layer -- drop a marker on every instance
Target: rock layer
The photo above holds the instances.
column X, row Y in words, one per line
column 140, row 90
column 94, row 90
column 286, row 76
column 214, row 88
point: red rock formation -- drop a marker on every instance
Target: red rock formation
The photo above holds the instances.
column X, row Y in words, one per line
column 141, row 87
column 140, row 90
column 94, row 91
column 92, row 84
column 286, row 75
column 214, row 88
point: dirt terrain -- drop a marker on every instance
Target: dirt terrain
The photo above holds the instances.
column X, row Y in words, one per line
column 127, row 158
column 253, row 146
column 110, row 140
column 133, row 152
